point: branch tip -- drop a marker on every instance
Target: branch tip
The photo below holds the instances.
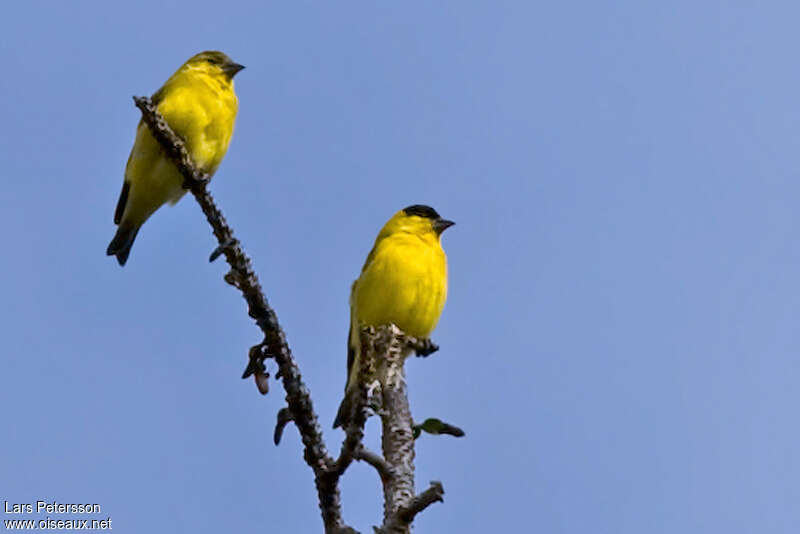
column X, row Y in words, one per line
column 284, row 418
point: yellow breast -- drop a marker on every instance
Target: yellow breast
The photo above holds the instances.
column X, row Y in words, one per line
column 202, row 111
column 404, row 283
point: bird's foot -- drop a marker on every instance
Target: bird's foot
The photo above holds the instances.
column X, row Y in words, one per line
column 424, row 347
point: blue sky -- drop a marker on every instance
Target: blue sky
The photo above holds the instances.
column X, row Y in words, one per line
column 620, row 342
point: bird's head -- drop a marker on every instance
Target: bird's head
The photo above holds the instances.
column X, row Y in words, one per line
column 419, row 220
column 214, row 63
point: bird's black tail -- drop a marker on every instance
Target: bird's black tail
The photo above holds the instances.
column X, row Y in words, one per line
column 121, row 245
column 344, row 413
column 346, row 407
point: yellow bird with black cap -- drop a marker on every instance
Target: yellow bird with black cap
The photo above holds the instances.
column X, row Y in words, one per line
column 199, row 104
column 403, row 282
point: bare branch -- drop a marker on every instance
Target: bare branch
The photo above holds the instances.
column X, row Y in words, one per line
column 433, row 494
column 389, row 348
column 398, row 437
column 375, row 460
column 274, row 345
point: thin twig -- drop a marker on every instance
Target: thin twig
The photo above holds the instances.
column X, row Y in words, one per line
column 405, row 515
column 242, row 276
column 374, row 459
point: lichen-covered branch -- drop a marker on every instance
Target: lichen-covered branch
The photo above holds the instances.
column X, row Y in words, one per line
column 386, row 349
column 398, row 438
column 401, row 520
column 382, row 383
column 242, row 276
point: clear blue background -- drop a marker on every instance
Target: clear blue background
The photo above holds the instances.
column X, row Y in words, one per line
column 620, row 342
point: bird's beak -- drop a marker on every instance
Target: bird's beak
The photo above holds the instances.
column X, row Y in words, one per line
column 231, row 69
column 440, row 225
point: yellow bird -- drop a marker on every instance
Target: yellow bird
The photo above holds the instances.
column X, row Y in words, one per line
column 199, row 104
column 403, row 282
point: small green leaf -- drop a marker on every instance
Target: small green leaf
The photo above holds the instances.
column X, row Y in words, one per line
column 437, row 426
